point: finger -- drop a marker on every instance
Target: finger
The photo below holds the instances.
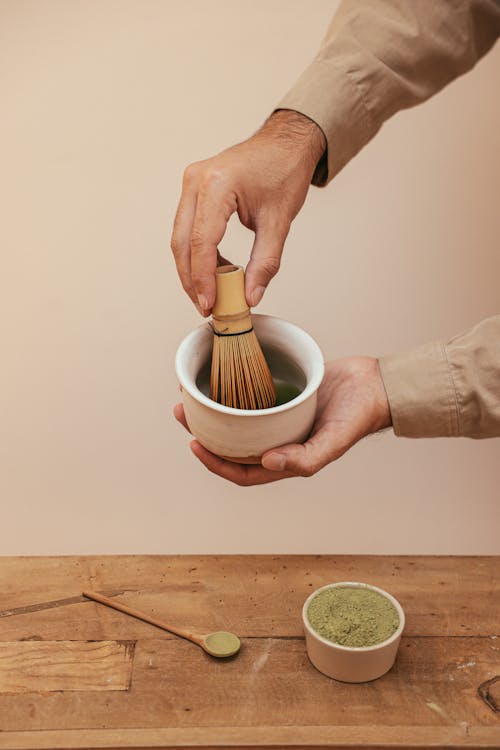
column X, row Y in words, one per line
column 181, row 234
column 308, row 458
column 240, row 474
column 214, row 208
column 181, row 416
column 265, row 259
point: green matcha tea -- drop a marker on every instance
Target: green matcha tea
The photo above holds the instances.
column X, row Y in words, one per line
column 285, row 392
column 354, row 617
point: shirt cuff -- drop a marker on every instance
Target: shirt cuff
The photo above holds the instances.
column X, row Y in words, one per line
column 421, row 393
column 343, row 118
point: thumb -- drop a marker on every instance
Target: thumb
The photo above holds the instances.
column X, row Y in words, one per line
column 264, row 260
column 306, row 459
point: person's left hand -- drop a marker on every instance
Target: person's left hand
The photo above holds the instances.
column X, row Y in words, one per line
column 352, row 403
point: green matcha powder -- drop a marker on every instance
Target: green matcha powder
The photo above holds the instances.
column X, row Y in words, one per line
column 354, row 617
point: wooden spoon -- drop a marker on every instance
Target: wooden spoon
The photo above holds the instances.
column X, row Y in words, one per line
column 219, row 644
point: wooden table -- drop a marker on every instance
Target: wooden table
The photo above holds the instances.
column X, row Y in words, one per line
column 76, row 674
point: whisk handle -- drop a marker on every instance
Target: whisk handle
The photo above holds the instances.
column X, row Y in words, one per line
column 230, row 301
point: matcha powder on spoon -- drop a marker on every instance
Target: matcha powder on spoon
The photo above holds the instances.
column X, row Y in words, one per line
column 355, row 617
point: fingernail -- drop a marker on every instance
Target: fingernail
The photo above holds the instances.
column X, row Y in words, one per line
column 257, row 295
column 274, row 462
column 203, row 302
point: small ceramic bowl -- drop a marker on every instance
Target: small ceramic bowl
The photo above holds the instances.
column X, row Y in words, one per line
column 243, row 435
column 346, row 663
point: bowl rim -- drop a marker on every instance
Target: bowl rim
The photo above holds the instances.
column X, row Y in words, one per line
column 311, row 387
column 354, row 649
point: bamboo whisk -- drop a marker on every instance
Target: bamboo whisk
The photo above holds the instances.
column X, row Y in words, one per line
column 240, row 376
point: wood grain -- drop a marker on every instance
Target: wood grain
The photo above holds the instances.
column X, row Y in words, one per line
column 442, row 692
column 251, row 595
column 31, row 666
column 434, row 682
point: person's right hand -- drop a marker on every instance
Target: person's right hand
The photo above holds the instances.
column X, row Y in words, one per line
column 265, row 180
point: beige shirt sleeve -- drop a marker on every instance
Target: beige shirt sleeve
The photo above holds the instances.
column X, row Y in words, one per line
column 381, row 56
column 447, row 390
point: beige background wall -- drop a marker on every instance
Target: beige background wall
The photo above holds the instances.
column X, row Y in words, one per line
column 103, row 104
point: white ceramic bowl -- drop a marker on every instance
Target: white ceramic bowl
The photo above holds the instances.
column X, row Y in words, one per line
column 243, row 435
column 346, row 663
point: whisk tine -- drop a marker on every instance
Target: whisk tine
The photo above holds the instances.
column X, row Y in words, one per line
column 240, row 376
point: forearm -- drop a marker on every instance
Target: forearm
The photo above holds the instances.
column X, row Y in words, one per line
column 447, row 390
column 380, row 57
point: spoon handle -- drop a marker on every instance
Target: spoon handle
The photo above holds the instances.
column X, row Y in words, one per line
column 142, row 616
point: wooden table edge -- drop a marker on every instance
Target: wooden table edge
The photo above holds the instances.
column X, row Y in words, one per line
column 310, row 737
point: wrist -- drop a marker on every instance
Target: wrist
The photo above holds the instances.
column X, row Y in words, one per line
column 383, row 417
column 296, row 132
